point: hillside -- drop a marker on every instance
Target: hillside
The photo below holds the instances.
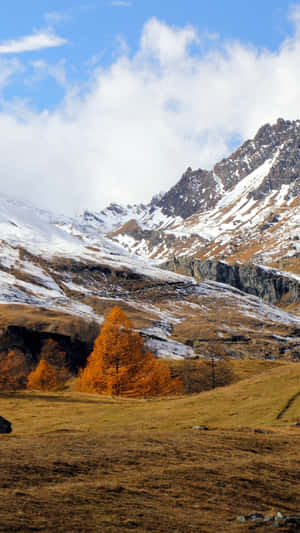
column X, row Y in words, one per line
column 54, row 283
column 83, row 461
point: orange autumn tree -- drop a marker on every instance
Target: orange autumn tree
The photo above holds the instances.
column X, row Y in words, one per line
column 44, row 377
column 56, row 357
column 51, row 371
column 13, row 370
column 119, row 365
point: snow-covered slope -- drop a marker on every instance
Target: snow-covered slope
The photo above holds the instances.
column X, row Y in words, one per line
column 33, row 241
column 241, row 227
column 42, row 234
column 246, row 209
column 48, row 264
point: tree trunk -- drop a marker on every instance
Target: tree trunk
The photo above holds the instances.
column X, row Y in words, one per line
column 213, row 373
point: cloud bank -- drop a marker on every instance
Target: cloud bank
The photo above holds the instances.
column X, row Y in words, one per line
column 30, row 43
column 180, row 100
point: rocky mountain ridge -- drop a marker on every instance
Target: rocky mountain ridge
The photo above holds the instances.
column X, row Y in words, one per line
column 245, row 209
column 200, row 190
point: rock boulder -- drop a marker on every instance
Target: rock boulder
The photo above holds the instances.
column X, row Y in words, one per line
column 5, row 425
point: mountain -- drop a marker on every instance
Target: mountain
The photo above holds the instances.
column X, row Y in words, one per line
column 245, row 209
column 54, row 284
column 59, row 276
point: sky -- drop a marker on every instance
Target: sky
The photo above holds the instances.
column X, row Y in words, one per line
column 111, row 100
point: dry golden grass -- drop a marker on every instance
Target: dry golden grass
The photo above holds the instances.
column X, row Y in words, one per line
column 42, row 319
column 253, row 367
column 290, row 264
column 196, row 374
column 258, row 337
column 293, row 308
column 78, row 462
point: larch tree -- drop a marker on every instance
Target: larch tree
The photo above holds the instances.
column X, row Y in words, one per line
column 55, row 356
column 13, row 370
column 120, row 366
column 45, row 377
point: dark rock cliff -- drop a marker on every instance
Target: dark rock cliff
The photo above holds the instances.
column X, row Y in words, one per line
column 30, row 342
column 269, row 285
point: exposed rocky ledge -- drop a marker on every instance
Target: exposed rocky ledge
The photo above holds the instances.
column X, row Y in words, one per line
column 268, row 284
column 30, row 342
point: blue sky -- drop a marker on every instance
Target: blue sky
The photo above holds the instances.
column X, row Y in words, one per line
column 110, row 100
column 94, row 31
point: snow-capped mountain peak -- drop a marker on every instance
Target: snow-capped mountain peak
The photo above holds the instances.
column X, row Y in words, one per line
column 224, row 212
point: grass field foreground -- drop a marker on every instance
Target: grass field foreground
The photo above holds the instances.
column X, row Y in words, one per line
column 78, row 462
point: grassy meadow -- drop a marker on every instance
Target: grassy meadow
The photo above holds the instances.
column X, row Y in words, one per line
column 89, row 463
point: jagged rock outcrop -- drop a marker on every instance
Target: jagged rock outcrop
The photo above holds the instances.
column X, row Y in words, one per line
column 268, row 284
column 197, row 190
column 283, row 135
column 200, row 190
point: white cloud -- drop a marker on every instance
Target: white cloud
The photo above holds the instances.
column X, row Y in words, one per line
column 9, row 68
column 166, row 44
column 94, row 60
column 54, row 17
column 121, row 3
column 42, row 69
column 294, row 15
column 29, row 43
column 145, row 118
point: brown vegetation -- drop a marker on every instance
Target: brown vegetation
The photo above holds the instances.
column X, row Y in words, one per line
column 289, row 264
column 56, row 357
column 51, row 371
column 201, row 375
column 53, row 354
column 47, row 320
column 45, row 377
column 13, row 370
column 90, row 463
